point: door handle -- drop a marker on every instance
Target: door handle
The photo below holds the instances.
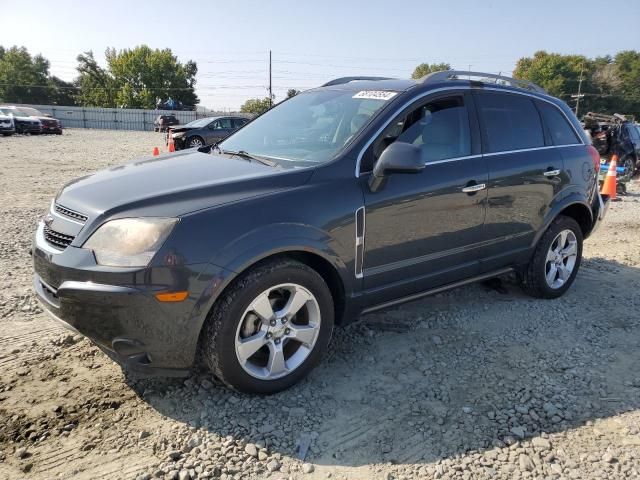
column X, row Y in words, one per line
column 552, row 173
column 474, row 188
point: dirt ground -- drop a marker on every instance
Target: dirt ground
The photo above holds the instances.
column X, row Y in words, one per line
column 476, row 383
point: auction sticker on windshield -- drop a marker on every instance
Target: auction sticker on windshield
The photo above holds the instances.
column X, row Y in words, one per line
column 375, row 94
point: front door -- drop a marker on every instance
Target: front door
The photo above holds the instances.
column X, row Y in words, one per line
column 219, row 130
column 420, row 229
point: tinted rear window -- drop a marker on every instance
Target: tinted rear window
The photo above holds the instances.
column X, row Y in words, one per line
column 511, row 122
column 557, row 124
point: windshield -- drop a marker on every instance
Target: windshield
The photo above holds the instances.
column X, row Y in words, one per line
column 30, row 112
column 310, row 127
column 203, row 122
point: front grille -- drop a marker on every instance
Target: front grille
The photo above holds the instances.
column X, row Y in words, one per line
column 57, row 239
column 70, row 213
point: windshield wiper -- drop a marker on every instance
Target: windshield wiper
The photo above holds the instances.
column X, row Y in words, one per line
column 246, row 155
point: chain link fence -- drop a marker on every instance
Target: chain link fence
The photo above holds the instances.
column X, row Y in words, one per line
column 117, row 118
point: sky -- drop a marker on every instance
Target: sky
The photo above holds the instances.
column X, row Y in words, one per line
column 315, row 41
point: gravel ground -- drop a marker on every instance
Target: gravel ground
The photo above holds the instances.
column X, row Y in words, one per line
column 480, row 382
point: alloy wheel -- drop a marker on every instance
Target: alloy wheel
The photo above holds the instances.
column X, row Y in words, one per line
column 561, row 259
column 278, row 331
column 195, row 142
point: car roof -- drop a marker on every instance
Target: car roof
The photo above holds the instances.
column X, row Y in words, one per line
column 396, row 84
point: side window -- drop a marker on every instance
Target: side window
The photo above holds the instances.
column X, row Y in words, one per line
column 239, row 122
column 224, row 123
column 633, row 133
column 215, row 125
column 510, row 121
column 558, row 126
column 440, row 128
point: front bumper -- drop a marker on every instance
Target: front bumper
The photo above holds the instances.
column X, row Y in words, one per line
column 52, row 129
column 117, row 309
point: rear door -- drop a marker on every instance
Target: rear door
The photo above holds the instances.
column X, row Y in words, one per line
column 420, row 229
column 526, row 172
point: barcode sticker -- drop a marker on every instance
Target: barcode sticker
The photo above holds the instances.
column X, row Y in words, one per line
column 375, row 94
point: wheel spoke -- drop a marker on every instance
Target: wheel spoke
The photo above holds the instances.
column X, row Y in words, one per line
column 248, row 346
column 570, row 250
column 551, row 255
column 276, row 364
column 262, row 307
column 551, row 274
column 562, row 241
column 563, row 273
column 298, row 299
column 303, row 333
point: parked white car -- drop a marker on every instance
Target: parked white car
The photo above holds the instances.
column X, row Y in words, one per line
column 7, row 125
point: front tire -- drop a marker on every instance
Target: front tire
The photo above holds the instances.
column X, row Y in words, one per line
column 195, row 142
column 555, row 261
column 269, row 329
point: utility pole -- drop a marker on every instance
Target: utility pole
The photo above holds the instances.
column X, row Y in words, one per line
column 270, row 85
column 579, row 95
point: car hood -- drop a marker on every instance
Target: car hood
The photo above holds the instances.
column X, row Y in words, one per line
column 174, row 185
column 22, row 118
column 182, row 128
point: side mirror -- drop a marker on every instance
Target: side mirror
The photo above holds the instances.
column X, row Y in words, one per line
column 399, row 157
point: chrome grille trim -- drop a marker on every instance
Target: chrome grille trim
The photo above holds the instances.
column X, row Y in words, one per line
column 70, row 213
column 57, row 239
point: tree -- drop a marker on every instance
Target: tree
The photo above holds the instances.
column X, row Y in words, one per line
column 136, row 78
column 96, row 87
column 292, row 92
column 609, row 85
column 556, row 73
column 427, row 68
column 62, row 93
column 23, row 78
column 256, row 106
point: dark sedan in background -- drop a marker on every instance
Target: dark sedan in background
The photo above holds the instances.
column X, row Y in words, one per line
column 205, row 131
column 49, row 124
column 23, row 122
column 31, row 120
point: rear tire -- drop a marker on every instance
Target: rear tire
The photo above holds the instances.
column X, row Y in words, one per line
column 286, row 309
column 555, row 261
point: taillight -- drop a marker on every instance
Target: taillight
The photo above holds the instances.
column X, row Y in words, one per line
column 595, row 157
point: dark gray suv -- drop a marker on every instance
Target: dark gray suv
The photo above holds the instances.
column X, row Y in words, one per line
column 345, row 199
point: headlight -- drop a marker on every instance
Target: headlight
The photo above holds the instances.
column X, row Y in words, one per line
column 178, row 135
column 129, row 242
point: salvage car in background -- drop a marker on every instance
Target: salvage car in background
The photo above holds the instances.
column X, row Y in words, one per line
column 49, row 124
column 23, row 122
column 163, row 122
column 7, row 126
column 205, row 131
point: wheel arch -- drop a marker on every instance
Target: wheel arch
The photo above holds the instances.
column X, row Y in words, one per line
column 574, row 206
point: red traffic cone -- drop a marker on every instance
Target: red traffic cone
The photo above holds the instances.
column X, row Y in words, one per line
column 609, row 185
column 156, row 151
column 171, row 144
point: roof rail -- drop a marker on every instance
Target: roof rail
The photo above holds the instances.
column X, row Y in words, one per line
column 481, row 77
column 341, row 80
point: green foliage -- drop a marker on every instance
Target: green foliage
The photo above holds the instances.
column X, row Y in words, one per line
column 256, row 106
column 23, row 78
column 292, row 92
column 136, row 78
column 427, row 68
column 610, row 85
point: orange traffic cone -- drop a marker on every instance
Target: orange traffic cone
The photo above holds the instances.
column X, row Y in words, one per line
column 609, row 185
column 171, row 145
column 156, row 151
